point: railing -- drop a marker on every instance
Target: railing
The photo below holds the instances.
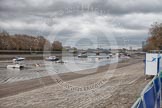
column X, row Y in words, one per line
column 151, row 95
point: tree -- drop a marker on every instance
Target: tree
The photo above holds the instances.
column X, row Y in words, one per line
column 154, row 42
column 23, row 42
column 57, row 46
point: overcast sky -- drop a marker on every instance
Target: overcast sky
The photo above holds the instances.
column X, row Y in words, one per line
column 86, row 23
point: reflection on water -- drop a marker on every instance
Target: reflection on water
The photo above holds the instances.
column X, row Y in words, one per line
column 31, row 71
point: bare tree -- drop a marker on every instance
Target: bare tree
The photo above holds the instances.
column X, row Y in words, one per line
column 154, row 42
column 57, row 46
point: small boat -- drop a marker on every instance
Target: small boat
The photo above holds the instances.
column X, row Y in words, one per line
column 52, row 58
column 60, row 61
column 18, row 59
column 82, row 55
column 110, row 55
column 17, row 66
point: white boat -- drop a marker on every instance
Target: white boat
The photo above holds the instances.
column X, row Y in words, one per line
column 82, row 55
column 18, row 59
column 110, row 55
column 17, row 66
column 51, row 58
column 60, row 61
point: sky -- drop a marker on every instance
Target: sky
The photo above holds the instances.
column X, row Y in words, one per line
column 83, row 23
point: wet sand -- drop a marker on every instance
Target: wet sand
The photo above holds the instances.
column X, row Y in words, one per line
column 113, row 87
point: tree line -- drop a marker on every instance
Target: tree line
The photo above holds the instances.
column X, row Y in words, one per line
column 26, row 42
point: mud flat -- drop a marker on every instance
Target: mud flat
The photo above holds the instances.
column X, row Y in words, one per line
column 115, row 87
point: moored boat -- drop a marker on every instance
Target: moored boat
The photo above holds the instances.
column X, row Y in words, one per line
column 52, row 58
column 18, row 59
column 18, row 66
column 82, row 55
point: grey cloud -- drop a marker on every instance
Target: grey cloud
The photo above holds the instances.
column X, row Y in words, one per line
column 104, row 6
column 121, row 19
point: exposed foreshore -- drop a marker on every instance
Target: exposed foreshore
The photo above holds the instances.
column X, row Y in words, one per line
column 121, row 86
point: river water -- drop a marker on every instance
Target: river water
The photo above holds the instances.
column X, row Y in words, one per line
column 47, row 68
